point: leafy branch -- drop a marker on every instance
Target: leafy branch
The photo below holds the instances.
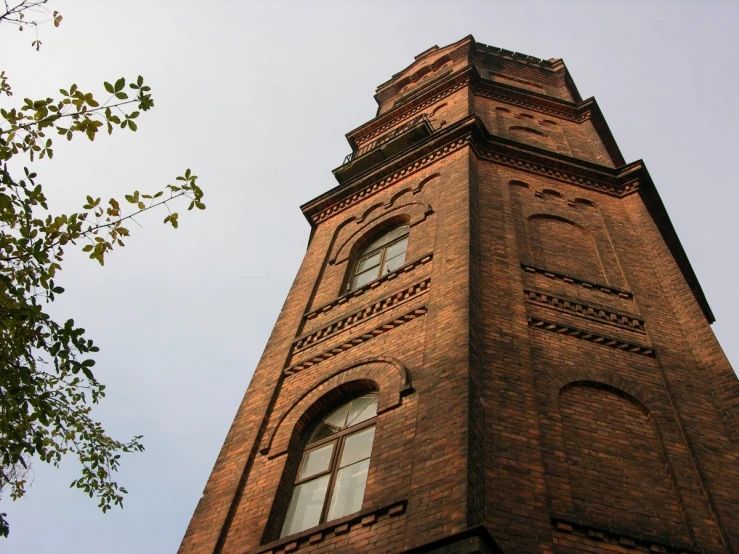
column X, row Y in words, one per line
column 15, row 14
column 47, row 387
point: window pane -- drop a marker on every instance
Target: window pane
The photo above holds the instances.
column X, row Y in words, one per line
column 397, row 232
column 305, row 506
column 375, row 244
column 349, row 490
column 362, row 409
column 387, row 237
column 392, row 264
column 357, row 447
column 332, row 423
column 337, row 418
column 396, row 249
column 367, row 263
column 316, row 461
column 321, row 432
column 364, row 278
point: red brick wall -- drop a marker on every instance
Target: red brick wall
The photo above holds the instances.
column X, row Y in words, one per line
column 543, row 130
column 561, row 245
column 522, row 75
column 542, row 366
column 616, row 462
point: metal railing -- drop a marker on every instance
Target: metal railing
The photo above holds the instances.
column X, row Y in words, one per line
column 387, row 137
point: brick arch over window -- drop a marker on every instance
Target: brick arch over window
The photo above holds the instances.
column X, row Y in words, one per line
column 565, row 247
column 422, row 183
column 584, row 202
column 617, row 463
column 528, row 130
column 388, row 377
column 351, row 238
column 517, row 183
column 436, row 109
column 554, row 193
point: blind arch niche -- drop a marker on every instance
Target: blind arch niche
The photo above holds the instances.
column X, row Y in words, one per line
column 617, row 463
column 563, row 246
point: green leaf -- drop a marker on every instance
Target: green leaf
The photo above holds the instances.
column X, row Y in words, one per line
column 108, row 87
column 119, row 84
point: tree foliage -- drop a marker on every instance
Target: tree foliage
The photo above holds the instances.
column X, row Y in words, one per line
column 47, row 387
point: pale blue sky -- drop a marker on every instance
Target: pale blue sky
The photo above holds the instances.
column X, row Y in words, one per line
column 256, row 99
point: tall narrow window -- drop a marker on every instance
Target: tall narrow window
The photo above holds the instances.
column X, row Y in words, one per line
column 333, row 469
column 381, row 256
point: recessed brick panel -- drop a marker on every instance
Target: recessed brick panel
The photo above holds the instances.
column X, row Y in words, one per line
column 616, row 462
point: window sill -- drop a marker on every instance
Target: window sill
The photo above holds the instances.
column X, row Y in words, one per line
column 316, row 534
column 371, row 285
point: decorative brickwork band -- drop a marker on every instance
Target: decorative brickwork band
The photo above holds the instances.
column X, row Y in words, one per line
column 582, row 309
column 343, row 299
column 621, row 542
column 370, row 131
column 481, row 87
column 382, row 184
column 608, row 289
column 612, row 342
column 488, row 90
column 355, row 341
column 570, row 177
column 377, row 308
column 620, row 182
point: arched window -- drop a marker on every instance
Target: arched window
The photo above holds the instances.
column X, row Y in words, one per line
column 381, row 256
column 333, row 468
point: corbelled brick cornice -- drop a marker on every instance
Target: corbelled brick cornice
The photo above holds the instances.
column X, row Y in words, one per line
column 449, row 84
column 619, row 182
column 471, row 130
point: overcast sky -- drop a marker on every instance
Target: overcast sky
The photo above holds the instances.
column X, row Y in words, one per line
column 256, row 99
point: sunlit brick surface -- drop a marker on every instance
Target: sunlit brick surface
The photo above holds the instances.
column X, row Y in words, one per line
column 547, row 378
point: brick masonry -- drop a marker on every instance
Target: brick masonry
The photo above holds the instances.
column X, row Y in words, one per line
column 548, row 381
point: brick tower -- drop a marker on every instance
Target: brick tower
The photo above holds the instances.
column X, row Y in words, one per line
column 495, row 343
